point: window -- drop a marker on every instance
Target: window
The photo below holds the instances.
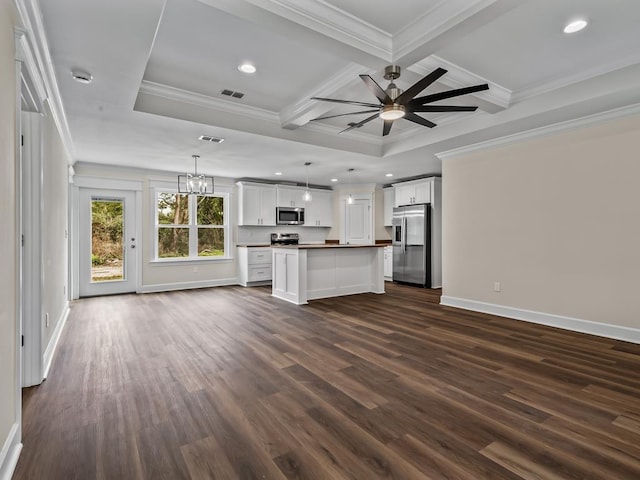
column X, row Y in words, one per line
column 191, row 226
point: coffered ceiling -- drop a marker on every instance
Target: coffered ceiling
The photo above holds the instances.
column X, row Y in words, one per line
column 159, row 68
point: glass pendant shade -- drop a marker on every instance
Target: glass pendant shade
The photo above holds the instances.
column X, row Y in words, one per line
column 307, row 193
column 307, row 196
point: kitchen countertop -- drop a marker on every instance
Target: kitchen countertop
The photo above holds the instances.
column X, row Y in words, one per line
column 304, row 246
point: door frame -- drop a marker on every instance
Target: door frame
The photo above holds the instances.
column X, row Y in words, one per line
column 99, row 183
column 343, row 215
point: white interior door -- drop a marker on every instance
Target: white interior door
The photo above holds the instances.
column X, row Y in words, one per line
column 358, row 222
column 107, row 242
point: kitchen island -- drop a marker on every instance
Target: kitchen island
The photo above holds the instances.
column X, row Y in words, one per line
column 308, row 272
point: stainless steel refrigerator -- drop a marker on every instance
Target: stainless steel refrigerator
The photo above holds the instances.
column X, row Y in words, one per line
column 412, row 244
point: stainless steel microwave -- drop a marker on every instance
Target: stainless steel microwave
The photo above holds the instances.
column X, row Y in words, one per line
column 289, row 216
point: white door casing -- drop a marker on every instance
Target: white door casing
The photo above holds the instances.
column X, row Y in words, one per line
column 358, row 220
column 129, row 283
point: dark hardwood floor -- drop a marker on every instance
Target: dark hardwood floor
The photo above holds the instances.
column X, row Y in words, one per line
column 228, row 383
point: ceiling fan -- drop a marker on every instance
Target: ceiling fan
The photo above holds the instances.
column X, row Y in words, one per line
column 395, row 104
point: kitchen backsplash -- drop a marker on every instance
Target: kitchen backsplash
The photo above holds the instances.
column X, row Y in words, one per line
column 259, row 235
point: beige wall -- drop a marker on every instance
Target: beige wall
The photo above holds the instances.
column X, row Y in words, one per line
column 55, row 224
column 556, row 220
column 8, row 232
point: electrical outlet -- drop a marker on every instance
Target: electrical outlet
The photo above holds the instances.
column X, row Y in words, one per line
column 46, row 320
column 496, row 286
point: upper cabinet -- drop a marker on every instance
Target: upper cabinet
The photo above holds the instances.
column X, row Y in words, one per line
column 290, row 196
column 389, row 203
column 415, row 191
column 256, row 204
column 319, row 211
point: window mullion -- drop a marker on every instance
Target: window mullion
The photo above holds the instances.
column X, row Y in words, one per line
column 193, row 226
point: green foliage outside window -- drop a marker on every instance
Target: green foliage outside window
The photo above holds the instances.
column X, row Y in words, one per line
column 175, row 225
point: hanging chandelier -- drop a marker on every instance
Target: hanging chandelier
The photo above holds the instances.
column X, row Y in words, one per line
column 195, row 183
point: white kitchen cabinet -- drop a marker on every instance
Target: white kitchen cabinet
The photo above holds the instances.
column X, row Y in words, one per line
column 256, row 204
column 254, row 265
column 388, row 263
column 415, row 191
column 389, row 203
column 290, row 196
column 319, row 211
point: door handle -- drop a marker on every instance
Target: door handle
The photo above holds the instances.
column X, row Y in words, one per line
column 133, row 246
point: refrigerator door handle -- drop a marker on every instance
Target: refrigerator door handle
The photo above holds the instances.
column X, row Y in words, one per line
column 404, row 234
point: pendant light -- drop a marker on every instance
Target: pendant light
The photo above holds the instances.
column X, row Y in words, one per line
column 350, row 198
column 195, row 183
column 307, row 193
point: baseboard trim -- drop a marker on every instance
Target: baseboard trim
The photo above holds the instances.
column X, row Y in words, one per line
column 53, row 341
column 10, row 453
column 167, row 287
column 567, row 323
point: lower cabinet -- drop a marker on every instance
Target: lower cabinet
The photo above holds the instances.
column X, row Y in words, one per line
column 388, row 263
column 254, row 266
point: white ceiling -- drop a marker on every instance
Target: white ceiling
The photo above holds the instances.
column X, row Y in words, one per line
column 159, row 68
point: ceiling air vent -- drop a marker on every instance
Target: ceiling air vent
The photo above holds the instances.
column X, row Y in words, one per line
column 209, row 138
column 231, row 93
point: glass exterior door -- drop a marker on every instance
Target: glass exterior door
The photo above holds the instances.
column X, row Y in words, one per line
column 107, row 242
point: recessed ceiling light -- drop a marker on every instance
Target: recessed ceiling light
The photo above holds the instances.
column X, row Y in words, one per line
column 278, row 173
column 575, row 26
column 81, row 76
column 334, row 179
column 247, row 68
column 389, row 175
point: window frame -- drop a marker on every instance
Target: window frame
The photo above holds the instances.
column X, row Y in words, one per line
column 192, row 227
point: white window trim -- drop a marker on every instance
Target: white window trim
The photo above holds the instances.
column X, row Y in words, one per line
column 165, row 187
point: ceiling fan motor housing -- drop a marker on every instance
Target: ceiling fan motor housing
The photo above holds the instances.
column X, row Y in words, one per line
column 391, row 72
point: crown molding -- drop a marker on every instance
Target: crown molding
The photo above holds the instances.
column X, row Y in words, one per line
column 439, row 19
column 547, row 130
column 324, row 18
column 304, row 109
column 533, row 91
column 185, row 96
column 30, row 18
column 458, row 77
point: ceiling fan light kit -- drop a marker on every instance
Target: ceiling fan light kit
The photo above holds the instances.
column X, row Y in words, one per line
column 395, row 104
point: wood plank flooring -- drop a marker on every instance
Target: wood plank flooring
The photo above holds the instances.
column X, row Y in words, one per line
column 229, row 383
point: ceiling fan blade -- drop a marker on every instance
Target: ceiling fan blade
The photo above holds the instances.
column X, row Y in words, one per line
column 376, row 90
column 419, row 86
column 412, row 117
column 343, row 114
column 359, row 124
column 443, row 108
column 347, row 102
column 448, row 94
column 387, row 127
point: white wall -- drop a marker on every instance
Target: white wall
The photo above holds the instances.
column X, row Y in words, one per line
column 54, row 229
column 556, row 220
column 158, row 276
column 8, row 234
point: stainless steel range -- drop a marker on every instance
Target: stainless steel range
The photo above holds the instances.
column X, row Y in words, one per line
column 285, row 238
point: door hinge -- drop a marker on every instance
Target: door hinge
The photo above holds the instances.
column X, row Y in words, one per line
column 22, row 239
column 22, row 140
column 22, row 340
